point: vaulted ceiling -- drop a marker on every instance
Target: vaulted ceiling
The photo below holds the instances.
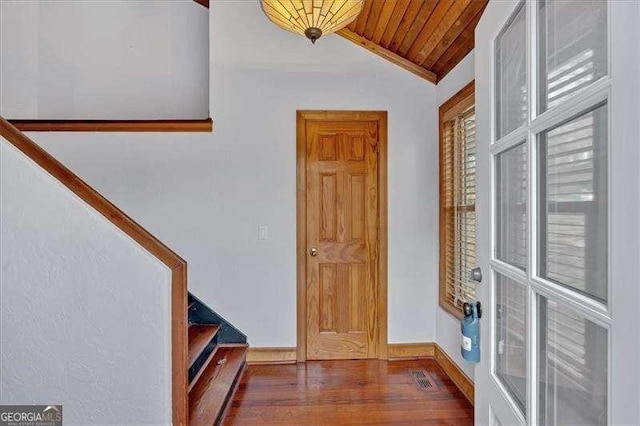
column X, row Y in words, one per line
column 426, row 37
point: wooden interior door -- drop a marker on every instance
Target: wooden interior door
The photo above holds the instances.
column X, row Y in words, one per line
column 342, row 239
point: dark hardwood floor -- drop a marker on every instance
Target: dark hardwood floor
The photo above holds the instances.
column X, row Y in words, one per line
column 348, row 392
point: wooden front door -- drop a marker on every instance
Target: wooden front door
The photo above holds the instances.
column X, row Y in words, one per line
column 342, row 239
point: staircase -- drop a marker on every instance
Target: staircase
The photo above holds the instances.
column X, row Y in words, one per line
column 217, row 357
column 216, row 353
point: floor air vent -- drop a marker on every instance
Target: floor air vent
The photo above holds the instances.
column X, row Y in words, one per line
column 422, row 380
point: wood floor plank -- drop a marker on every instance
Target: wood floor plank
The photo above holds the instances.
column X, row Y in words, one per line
column 347, row 392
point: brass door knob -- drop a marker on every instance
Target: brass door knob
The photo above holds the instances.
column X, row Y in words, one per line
column 313, row 251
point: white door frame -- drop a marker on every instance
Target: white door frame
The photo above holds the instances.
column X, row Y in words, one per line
column 491, row 400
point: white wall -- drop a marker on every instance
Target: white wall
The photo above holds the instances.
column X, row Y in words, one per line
column 103, row 59
column 447, row 326
column 204, row 194
column 85, row 310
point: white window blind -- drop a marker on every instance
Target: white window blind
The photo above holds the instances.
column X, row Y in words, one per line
column 573, row 213
column 574, row 204
column 572, row 375
column 573, row 47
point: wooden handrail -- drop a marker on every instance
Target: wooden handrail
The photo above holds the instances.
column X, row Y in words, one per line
column 204, row 125
column 150, row 243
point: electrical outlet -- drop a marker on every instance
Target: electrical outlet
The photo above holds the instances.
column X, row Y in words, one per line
column 263, row 232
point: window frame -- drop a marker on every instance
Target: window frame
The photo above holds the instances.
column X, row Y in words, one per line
column 453, row 107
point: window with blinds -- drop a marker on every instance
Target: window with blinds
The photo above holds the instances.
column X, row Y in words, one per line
column 457, row 200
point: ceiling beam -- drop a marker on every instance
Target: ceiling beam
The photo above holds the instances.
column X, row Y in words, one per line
column 388, row 55
column 204, row 3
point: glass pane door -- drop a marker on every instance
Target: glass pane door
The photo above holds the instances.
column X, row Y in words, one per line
column 573, row 203
column 572, row 367
column 558, row 196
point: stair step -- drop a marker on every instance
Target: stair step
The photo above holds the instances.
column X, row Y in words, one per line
column 216, row 385
column 199, row 338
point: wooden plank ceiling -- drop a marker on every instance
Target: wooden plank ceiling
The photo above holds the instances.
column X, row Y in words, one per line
column 426, row 37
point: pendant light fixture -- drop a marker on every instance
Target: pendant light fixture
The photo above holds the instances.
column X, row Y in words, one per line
column 312, row 18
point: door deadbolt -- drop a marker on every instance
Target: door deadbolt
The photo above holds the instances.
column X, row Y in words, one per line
column 476, row 274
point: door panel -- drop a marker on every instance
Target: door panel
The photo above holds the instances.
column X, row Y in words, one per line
column 342, row 224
